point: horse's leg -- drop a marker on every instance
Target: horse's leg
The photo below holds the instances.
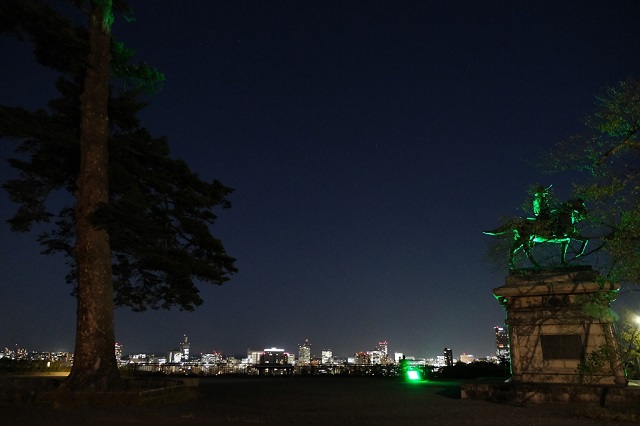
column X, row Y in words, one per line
column 531, row 259
column 527, row 250
column 564, row 246
column 582, row 247
column 514, row 249
column 518, row 243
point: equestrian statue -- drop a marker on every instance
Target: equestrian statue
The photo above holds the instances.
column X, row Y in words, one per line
column 551, row 224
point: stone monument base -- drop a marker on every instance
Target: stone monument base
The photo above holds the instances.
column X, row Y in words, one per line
column 551, row 334
column 610, row 396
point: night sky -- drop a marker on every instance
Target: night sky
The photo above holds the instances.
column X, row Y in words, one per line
column 369, row 144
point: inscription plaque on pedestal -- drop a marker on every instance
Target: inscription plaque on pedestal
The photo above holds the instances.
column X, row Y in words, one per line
column 561, row 346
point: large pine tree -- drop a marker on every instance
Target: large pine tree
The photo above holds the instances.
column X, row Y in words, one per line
column 139, row 232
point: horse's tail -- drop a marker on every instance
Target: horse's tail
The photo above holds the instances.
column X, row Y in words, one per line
column 499, row 231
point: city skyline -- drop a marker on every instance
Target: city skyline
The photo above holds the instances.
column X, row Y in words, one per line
column 304, row 352
column 369, row 145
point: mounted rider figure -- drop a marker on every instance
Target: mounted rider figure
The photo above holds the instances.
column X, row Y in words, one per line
column 541, row 207
column 553, row 223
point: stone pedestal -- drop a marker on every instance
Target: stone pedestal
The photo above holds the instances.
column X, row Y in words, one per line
column 550, row 331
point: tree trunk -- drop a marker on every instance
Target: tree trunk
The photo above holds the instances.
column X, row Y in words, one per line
column 94, row 365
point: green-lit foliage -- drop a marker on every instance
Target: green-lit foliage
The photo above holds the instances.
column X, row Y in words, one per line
column 140, row 76
column 628, row 333
column 607, row 160
column 598, row 305
column 594, row 365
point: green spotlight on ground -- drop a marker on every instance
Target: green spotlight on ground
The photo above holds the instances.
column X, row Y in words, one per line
column 413, row 375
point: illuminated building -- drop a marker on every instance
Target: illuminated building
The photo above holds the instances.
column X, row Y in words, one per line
column 362, row 358
column 304, row 353
column 253, row 356
column 274, row 356
column 275, row 361
column 118, row 351
column 174, row 357
column 397, row 356
column 502, row 342
column 467, row 359
column 384, row 348
column 211, row 358
column 375, row 357
column 327, row 357
column 448, row 356
column 184, row 348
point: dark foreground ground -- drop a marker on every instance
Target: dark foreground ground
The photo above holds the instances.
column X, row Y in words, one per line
column 321, row 401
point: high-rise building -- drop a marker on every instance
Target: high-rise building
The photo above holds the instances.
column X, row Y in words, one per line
column 184, row 348
column 375, row 357
column 304, row 353
column 448, row 356
column 253, row 356
column 118, row 351
column 383, row 347
column 502, row 342
column 327, row 357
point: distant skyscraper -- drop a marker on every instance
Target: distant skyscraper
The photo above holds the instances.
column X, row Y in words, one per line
column 184, row 348
column 304, row 353
column 327, row 356
column 375, row 357
column 448, row 356
column 502, row 342
column 384, row 348
column 118, row 351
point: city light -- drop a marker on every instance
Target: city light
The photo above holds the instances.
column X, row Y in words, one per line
column 269, row 361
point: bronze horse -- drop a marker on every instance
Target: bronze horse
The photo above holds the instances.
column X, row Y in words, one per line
column 559, row 228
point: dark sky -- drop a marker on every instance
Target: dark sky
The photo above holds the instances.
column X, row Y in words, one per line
column 369, row 144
